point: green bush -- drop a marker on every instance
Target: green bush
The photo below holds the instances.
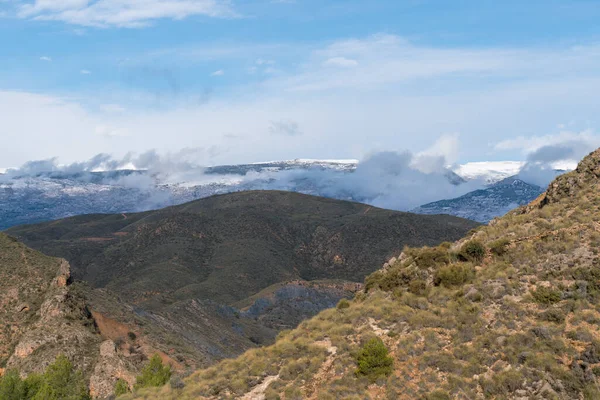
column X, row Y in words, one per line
column 499, row 247
column 429, row 257
column 343, row 303
column 418, row 287
column 12, row 387
column 473, row 250
column 60, row 382
column 553, row 315
column 453, row 275
column 373, row 360
column 154, row 374
column 437, row 395
column 546, row 295
column 121, row 387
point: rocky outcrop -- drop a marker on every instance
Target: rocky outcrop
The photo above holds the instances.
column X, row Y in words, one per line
column 109, row 368
column 569, row 185
column 47, row 317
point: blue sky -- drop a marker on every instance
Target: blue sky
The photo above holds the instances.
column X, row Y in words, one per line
column 251, row 80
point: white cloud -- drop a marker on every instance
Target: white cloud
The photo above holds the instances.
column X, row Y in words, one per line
column 46, row 58
column 85, row 72
column 399, row 96
column 121, row 13
column 531, row 144
column 261, row 61
column 218, row 73
column 285, row 127
column 110, row 131
column 112, row 108
column 341, row 62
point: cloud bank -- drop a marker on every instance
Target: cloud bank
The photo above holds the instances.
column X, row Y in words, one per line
column 121, row 13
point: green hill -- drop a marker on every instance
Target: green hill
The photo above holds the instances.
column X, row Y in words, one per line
column 227, row 248
column 509, row 312
column 210, row 279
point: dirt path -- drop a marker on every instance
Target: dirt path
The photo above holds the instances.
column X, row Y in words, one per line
column 258, row 393
column 324, row 372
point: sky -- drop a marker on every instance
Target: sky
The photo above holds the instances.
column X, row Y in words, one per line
column 236, row 81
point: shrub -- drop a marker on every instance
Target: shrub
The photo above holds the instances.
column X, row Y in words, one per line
column 546, row 295
column 343, row 303
column 418, row 287
column 453, row 275
column 473, row 250
column 154, row 374
column 373, row 360
column 389, row 280
column 121, row 387
column 437, row 395
column 62, row 382
column 430, row 257
column 498, row 247
column 553, row 315
column 12, row 387
column 132, row 335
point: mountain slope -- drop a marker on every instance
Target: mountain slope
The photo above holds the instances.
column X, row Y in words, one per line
column 211, row 279
column 483, row 205
column 229, row 247
column 41, row 317
column 509, row 312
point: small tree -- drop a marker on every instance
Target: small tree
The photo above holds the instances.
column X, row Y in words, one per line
column 121, row 387
column 373, row 360
column 154, row 374
column 62, row 382
column 12, row 387
column 472, row 251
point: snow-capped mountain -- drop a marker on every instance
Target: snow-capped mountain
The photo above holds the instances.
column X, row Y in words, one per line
column 489, row 171
column 27, row 197
column 485, row 204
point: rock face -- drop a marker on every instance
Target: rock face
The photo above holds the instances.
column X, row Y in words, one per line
column 109, row 367
column 43, row 318
column 569, row 185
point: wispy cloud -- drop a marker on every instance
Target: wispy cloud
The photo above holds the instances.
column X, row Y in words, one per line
column 218, row 73
column 121, row 13
column 287, row 128
column 85, row 72
column 578, row 143
column 46, row 58
column 341, row 62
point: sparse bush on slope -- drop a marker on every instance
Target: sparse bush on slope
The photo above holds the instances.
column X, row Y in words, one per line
column 512, row 314
column 60, row 382
column 373, row 360
column 154, row 374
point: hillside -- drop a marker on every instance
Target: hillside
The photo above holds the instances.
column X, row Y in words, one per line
column 227, row 248
column 509, row 312
column 483, row 205
column 213, row 278
column 41, row 317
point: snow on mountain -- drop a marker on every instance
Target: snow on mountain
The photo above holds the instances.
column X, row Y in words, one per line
column 27, row 197
column 489, row 171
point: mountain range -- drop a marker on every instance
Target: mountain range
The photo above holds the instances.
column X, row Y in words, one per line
column 195, row 283
column 36, row 196
column 508, row 312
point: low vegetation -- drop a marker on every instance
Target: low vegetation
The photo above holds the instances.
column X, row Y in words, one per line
column 373, row 360
column 511, row 311
column 60, row 381
column 154, row 374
